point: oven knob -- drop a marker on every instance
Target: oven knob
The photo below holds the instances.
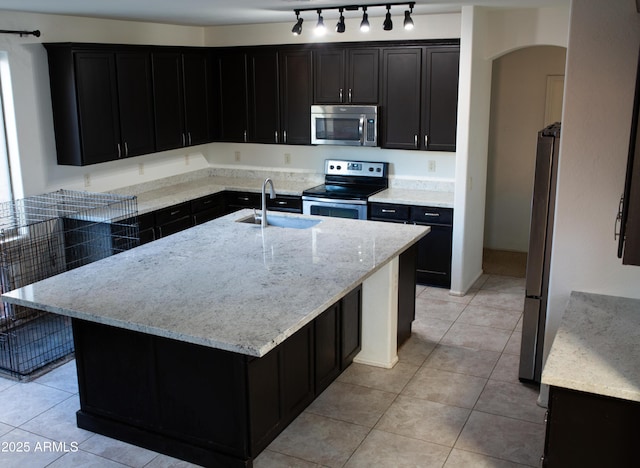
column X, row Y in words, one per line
column 339, row 167
column 371, row 169
column 332, row 167
column 378, row 170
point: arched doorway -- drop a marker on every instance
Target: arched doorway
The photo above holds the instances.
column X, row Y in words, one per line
column 526, row 87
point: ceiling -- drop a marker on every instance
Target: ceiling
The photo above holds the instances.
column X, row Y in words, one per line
column 221, row 12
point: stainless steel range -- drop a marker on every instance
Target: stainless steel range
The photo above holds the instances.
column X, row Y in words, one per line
column 346, row 189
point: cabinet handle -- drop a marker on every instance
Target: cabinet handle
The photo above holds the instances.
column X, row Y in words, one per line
column 350, row 100
column 284, row 136
column 281, row 203
column 546, row 417
column 426, row 141
column 126, row 149
column 243, row 198
column 388, row 211
column 276, row 136
column 119, row 151
column 340, row 94
column 206, row 202
column 189, row 135
column 432, row 215
column 415, row 140
column 245, row 136
column 183, row 140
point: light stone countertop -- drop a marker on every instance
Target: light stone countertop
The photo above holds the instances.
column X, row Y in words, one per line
column 597, row 347
column 417, row 197
column 171, row 191
column 225, row 284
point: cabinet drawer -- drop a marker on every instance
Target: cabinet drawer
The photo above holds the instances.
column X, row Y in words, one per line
column 206, row 203
column 431, row 215
column 290, row 204
column 389, row 211
column 243, row 199
column 177, row 225
column 173, row 213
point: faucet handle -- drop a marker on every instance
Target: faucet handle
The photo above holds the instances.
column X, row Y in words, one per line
column 257, row 217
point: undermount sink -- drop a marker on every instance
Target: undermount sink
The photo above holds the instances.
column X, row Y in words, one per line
column 291, row 222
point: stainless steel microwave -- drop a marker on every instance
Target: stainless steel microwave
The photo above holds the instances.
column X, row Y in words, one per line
column 344, row 125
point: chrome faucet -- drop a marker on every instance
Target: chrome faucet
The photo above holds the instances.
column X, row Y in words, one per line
column 272, row 194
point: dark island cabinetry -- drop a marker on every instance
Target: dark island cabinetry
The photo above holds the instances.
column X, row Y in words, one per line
column 591, row 431
column 102, row 103
column 433, row 258
column 212, row 407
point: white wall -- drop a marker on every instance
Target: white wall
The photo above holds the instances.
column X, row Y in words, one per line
column 486, row 34
column 599, row 89
column 518, row 97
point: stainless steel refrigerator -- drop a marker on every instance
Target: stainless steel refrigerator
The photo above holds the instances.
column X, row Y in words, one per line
column 539, row 255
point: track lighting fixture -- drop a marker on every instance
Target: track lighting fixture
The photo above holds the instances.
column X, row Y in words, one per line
column 364, row 25
column 297, row 28
column 387, row 25
column 320, row 28
column 408, row 22
column 340, row 27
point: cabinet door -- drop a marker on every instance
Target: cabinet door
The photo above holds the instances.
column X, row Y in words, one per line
column 97, row 106
column 434, row 257
column 362, row 79
column 135, row 99
column 264, row 98
column 441, row 98
column 196, row 97
column 330, row 77
column 168, row 99
column 327, row 361
column 401, row 97
column 296, row 95
column 351, row 326
column 297, row 373
column 231, row 70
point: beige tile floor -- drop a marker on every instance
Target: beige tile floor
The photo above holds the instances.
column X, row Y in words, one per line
column 453, row 400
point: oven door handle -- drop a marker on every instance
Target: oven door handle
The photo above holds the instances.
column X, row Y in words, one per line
column 361, row 130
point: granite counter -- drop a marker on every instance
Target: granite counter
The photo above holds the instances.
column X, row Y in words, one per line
column 225, row 284
column 597, row 347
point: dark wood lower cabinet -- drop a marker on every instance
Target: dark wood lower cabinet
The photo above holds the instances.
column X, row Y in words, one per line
column 205, row 405
column 591, row 431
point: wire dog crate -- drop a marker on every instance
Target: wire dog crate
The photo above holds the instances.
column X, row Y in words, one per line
column 42, row 236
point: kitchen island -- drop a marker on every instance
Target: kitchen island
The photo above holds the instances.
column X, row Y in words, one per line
column 205, row 344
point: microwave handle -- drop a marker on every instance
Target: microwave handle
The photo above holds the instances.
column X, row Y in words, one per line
column 361, row 130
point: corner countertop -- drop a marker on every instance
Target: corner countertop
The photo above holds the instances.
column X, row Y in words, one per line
column 225, row 284
column 597, row 347
column 440, row 199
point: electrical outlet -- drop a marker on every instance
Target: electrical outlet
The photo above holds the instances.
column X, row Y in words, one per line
column 186, row 159
column 140, row 169
column 432, row 166
column 87, row 180
column 287, row 158
column 237, row 156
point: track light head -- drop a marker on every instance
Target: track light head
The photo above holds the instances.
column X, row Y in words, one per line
column 388, row 24
column 408, row 22
column 340, row 27
column 297, row 28
column 320, row 28
column 364, row 25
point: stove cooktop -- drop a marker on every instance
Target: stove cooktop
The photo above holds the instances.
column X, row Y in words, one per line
column 342, row 192
column 350, row 180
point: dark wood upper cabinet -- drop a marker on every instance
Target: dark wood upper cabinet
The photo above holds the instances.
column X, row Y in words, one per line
column 264, row 96
column 442, row 67
column 401, row 97
column 231, row 92
column 296, row 94
column 181, row 87
column 135, row 101
column 102, row 103
column 420, row 97
column 346, row 76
